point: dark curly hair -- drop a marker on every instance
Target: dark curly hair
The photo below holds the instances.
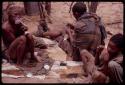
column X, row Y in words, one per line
column 117, row 39
column 79, row 7
column 15, row 8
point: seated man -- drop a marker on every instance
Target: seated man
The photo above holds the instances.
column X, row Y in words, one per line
column 89, row 32
column 16, row 40
column 112, row 60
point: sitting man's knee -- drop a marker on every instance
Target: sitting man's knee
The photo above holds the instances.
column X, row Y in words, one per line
column 30, row 36
column 86, row 53
column 83, row 52
column 98, row 77
column 22, row 39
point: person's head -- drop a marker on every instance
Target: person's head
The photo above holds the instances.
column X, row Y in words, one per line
column 115, row 44
column 78, row 9
column 14, row 13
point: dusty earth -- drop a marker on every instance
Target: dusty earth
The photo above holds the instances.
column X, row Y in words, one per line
column 111, row 14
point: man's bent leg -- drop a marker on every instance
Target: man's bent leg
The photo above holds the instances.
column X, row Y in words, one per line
column 88, row 61
column 16, row 49
column 99, row 77
column 30, row 46
column 21, row 50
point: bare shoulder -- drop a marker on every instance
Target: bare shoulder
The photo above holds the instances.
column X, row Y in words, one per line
column 5, row 25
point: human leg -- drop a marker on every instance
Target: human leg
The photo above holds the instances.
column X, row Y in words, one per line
column 88, row 62
column 16, row 49
column 30, row 48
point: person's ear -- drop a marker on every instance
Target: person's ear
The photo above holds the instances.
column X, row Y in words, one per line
column 76, row 15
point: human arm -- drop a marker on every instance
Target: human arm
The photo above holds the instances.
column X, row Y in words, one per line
column 104, row 60
column 70, row 25
column 103, row 31
column 69, row 31
column 98, row 52
column 8, row 36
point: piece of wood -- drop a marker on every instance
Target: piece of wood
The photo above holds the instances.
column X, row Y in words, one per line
column 117, row 22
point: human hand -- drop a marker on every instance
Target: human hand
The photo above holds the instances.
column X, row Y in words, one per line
column 100, row 48
column 70, row 25
column 104, row 56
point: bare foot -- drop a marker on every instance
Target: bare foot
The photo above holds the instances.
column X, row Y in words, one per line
column 85, row 74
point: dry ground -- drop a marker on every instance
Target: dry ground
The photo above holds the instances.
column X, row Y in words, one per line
column 110, row 12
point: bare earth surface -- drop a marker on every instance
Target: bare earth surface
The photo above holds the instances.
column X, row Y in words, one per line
column 112, row 16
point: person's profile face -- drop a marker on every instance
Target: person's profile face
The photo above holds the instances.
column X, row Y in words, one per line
column 112, row 48
column 14, row 16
